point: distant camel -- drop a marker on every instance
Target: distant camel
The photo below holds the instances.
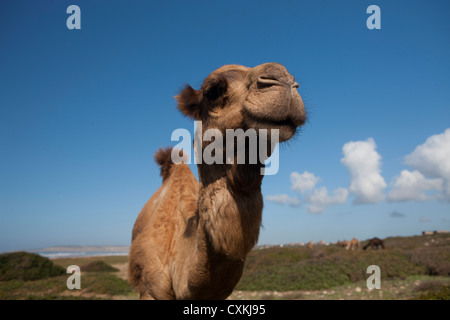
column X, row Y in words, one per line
column 191, row 239
column 353, row 244
column 342, row 244
column 374, row 243
column 310, row 244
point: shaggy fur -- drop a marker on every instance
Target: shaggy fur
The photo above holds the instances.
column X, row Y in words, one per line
column 353, row 244
column 191, row 239
column 374, row 243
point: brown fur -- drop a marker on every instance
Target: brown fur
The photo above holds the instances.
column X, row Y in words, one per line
column 191, row 239
column 375, row 243
column 164, row 160
column 353, row 244
column 342, row 244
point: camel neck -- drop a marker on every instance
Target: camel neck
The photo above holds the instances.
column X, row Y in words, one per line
column 230, row 208
column 229, row 220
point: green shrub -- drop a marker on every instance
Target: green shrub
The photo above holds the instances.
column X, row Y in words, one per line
column 442, row 293
column 19, row 289
column 436, row 261
column 98, row 266
column 322, row 267
column 27, row 266
column 429, row 285
column 106, row 284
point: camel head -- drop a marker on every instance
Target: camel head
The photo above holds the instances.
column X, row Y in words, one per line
column 234, row 96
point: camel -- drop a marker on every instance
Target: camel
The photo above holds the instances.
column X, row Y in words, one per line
column 191, row 239
column 310, row 244
column 342, row 244
column 375, row 243
column 353, row 244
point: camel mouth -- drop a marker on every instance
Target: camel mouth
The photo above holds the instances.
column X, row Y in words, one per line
column 286, row 127
column 277, row 123
column 287, row 121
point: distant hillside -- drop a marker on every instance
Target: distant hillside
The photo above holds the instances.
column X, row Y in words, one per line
column 27, row 266
column 297, row 267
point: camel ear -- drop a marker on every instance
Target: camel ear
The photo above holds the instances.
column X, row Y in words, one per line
column 189, row 102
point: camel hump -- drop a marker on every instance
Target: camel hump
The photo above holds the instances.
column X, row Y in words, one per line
column 163, row 157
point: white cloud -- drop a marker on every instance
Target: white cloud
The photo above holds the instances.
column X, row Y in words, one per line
column 284, row 199
column 428, row 181
column 303, row 182
column 411, row 186
column 319, row 199
column 433, row 159
column 363, row 163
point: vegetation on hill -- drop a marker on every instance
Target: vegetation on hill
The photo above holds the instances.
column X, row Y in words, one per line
column 321, row 267
column 411, row 268
column 27, row 266
column 97, row 266
column 440, row 293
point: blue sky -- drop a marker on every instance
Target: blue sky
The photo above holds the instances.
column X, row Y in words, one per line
column 83, row 111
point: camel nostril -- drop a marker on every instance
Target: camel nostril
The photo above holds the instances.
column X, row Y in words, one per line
column 295, row 85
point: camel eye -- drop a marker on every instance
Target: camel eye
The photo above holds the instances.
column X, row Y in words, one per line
column 215, row 88
column 213, row 93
